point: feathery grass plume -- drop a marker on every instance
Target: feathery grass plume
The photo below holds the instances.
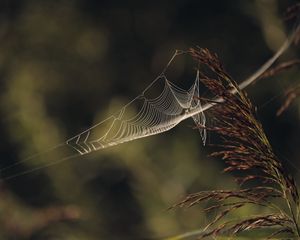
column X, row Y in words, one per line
column 290, row 95
column 280, row 68
column 246, row 151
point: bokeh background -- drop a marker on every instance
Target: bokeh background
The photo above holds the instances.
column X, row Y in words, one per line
column 65, row 65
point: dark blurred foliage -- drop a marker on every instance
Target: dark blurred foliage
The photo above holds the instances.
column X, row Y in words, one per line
column 65, row 65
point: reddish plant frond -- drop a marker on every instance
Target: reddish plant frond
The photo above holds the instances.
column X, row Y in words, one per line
column 290, row 96
column 254, row 195
column 246, row 150
column 280, row 68
column 258, row 222
column 245, row 146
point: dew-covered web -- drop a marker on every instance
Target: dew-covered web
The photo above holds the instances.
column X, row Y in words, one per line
column 161, row 113
column 145, row 115
column 160, row 107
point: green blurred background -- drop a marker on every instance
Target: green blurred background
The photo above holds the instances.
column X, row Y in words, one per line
column 65, row 65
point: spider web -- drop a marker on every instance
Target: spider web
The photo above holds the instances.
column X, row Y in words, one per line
column 153, row 115
column 159, row 114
